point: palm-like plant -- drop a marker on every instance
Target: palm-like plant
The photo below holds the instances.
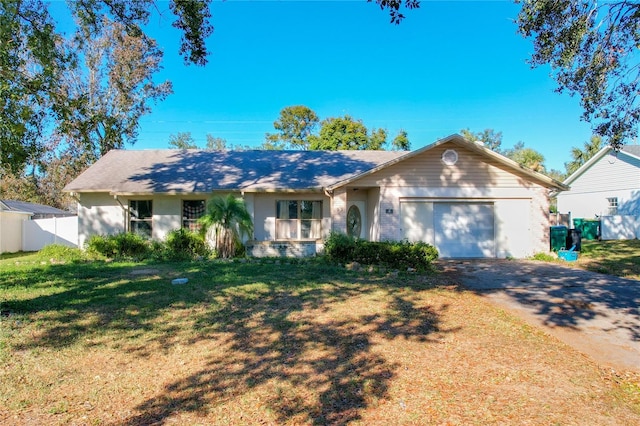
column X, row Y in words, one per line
column 229, row 220
column 581, row 156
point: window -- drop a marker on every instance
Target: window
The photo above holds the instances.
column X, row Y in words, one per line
column 450, row 157
column 354, row 221
column 298, row 220
column 141, row 217
column 192, row 210
column 613, row 205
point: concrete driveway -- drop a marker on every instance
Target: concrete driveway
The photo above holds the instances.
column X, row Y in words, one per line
column 595, row 313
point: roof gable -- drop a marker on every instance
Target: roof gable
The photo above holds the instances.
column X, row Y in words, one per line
column 630, row 151
column 484, row 153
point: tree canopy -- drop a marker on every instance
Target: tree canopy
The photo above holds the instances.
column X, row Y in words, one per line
column 527, row 157
column 294, row 126
column 581, row 156
column 36, row 57
column 297, row 126
column 592, row 48
column 401, row 141
column 182, row 140
column 490, row 138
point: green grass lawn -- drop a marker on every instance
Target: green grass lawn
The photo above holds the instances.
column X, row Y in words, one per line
column 621, row 258
column 280, row 342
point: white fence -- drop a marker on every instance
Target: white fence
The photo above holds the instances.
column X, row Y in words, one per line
column 41, row 232
column 619, row 227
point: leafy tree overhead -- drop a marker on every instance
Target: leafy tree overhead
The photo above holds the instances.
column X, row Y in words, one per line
column 216, row 144
column 297, row 130
column 101, row 103
column 556, row 174
column 401, row 142
column 35, row 55
column 295, row 125
column 527, row 157
column 490, row 138
column 31, row 57
column 182, row 140
column 345, row 133
column 377, row 139
column 592, row 48
column 51, row 81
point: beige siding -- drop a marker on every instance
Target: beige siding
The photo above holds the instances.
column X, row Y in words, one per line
column 11, row 231
column 521, row 206
column 339, row 211
column 373, row 213
column 427, row 170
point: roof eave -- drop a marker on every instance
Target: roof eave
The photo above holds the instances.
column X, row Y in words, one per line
column 220, row 190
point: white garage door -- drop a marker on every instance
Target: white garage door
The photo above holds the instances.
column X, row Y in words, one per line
column 455, row 229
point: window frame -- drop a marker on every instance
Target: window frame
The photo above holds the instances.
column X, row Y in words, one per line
column 192, row 223
column 135, row 219
column 613, row 205
column 302, row 223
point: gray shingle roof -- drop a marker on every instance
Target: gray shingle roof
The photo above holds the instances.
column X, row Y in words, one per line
column 632, row 149
column 37, row 209
column 191, row 171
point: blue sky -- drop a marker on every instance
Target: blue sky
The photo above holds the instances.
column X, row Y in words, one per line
column 450, row 65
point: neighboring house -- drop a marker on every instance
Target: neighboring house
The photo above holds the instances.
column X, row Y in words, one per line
column 606, row 185
column 465, row 199
column 12, row 216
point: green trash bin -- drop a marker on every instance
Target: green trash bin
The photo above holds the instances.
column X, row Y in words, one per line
column 590, row 229
column 577, row 223
column 558, row 237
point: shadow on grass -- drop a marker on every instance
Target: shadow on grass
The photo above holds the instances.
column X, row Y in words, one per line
column 277, row 324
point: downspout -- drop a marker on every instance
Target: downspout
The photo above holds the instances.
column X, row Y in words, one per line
column 124, row 212
column 329, row 194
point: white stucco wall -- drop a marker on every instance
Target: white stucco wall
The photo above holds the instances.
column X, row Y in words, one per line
column 99, row 214
column 167, row 215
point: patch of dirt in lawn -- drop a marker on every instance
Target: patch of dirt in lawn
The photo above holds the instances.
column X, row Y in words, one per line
column 335, row 354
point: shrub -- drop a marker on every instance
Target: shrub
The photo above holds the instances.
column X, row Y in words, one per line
column 339, row 247
column 121, row 245
column 61, row 253
column 101, row 246
column 184, row 244
column 394, row 254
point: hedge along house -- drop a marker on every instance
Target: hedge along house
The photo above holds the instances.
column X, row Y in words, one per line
column 465, row 199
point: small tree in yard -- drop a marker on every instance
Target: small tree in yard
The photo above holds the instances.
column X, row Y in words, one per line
column 229, row 220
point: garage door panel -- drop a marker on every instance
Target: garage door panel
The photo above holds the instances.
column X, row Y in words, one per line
column 464, row 229
column 417, row 221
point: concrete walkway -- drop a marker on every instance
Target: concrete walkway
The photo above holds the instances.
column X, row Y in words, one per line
column 597, row 314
